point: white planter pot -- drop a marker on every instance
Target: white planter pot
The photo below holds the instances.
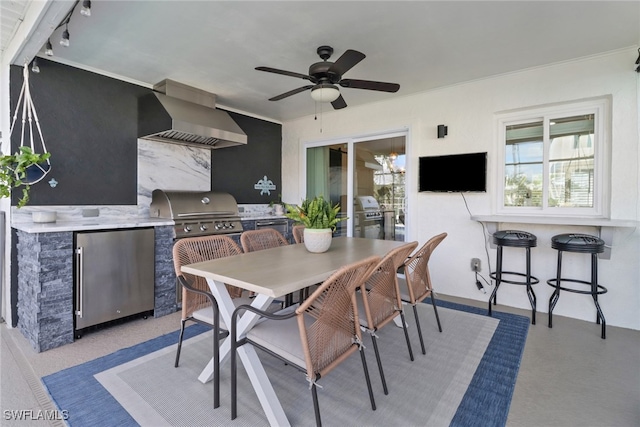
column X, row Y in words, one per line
column 43, row 216
column 317, row 240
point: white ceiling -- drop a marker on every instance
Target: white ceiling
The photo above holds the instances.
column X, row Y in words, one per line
column 422, row 45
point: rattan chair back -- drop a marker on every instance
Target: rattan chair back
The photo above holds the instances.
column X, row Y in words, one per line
column 197, row 249
column 380, row 293
column 416, row 270
column 265, row 238
column 298, row 233
column 335, row 332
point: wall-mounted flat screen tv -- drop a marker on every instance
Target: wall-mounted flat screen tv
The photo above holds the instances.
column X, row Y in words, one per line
column 453, row 173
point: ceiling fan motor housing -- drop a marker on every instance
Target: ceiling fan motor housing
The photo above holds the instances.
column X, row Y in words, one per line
column 320, row 73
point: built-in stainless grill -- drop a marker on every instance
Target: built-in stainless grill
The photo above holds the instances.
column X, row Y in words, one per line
column 197, row 213
column 368, row 218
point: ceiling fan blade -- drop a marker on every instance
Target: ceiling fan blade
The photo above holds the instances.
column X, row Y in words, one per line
column 347, row 61
column 284, row 73
column 291, row 92
column 370, row 85
column 339, row 103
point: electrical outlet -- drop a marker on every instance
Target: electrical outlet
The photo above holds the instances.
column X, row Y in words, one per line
column 475, row 264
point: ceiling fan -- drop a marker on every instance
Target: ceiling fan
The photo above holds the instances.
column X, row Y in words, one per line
column 325, row 75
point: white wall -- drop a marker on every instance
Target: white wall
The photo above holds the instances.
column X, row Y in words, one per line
column 468, row 111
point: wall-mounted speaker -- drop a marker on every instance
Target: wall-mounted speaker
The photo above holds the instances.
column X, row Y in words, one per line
column 442, row 131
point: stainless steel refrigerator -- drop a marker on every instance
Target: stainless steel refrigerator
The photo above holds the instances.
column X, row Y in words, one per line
column 114, row 275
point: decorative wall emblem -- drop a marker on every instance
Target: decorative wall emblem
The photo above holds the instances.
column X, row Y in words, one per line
column 265, row 185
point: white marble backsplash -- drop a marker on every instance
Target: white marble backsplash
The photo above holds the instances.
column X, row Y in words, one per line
column 170, row 167
column 257, row 210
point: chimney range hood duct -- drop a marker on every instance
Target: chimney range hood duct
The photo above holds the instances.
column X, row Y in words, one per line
column 180, row 114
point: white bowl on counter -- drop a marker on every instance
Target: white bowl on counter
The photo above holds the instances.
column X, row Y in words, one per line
column 44, row 216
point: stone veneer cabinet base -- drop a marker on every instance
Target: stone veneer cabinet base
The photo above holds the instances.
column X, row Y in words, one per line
column 45, row 285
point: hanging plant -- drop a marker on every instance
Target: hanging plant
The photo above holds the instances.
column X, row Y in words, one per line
column 25, row 167
column 21, row 170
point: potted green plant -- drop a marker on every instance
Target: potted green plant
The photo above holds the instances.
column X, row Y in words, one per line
column 14, row 170
column 319, row 219
column 278, row 206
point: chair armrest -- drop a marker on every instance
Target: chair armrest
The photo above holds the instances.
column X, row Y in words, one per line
column 185, row 283
column 214, row 304
column 262, row 313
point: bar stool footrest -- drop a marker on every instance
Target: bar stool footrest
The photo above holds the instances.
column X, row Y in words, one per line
column 601, row 289
column 493, row 275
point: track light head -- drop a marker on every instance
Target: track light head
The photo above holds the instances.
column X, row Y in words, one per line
column 48, row 49
column 86, row 8
column 34, row 66
column 64, row 41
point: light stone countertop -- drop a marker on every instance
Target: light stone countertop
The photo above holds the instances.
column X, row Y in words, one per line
column 71, row 218
column 96, row 223
column 104, row 223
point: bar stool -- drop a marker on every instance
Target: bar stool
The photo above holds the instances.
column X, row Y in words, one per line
column 581, row 243
column 515, row 239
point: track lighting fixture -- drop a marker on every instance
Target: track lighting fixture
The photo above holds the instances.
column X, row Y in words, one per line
column 638, row 62
column 34, row 66
column 64, row 41
column 48, row 49
column 86, row 8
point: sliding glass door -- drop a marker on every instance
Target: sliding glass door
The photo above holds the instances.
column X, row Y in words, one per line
column 364, row 175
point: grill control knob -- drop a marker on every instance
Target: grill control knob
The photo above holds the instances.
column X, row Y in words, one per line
column 203, row 227
column 230, row 225
column 187, row 228
column 218, row 226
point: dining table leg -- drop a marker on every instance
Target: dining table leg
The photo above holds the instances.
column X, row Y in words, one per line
column 247, row 353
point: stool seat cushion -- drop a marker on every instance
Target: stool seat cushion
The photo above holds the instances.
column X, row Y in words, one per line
column 578, row 243
column 515, row 238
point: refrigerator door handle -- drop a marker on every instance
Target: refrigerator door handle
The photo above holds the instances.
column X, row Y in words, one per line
column 80, row 280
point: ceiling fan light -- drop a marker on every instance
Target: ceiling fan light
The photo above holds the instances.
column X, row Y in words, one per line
column 325, row 93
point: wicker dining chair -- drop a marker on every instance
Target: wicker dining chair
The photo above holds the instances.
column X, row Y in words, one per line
column 298, row 233
column 198, row 304
column 328, row 331
column 379, row 300
column 416, row 285
column 265, row 238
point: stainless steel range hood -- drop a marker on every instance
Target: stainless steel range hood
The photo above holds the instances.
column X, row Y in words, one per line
column 180, row 114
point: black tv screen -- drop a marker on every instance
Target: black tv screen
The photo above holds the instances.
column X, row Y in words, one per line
column 453, row 173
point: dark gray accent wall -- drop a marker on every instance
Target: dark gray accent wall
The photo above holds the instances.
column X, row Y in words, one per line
column 90, row 127
column 236, row 170
column 89, row 124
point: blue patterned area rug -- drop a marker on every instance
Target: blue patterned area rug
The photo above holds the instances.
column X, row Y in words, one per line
column 475, row 376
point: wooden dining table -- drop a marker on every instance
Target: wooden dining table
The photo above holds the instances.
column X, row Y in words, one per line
column 270, row 274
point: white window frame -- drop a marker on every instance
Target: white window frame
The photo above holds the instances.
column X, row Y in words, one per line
column 601, row 109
